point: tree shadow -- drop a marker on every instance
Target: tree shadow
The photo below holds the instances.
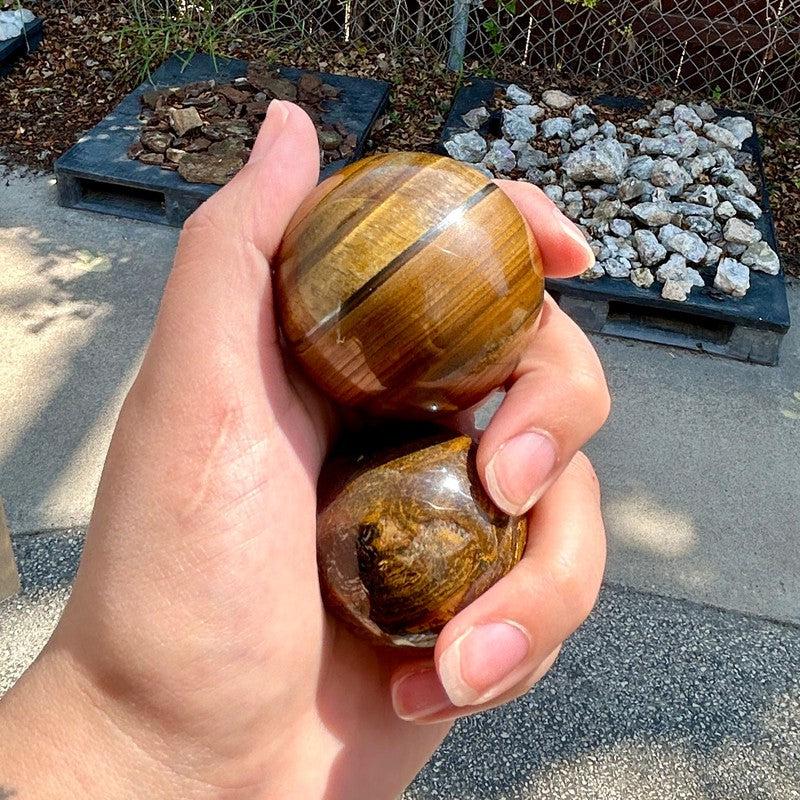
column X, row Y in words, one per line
column 78, row 298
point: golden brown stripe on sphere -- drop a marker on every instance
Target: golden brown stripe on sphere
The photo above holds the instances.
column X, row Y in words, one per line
column 406, row 283
column 406, row 535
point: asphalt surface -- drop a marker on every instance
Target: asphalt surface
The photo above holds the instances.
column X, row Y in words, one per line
column 653, row 698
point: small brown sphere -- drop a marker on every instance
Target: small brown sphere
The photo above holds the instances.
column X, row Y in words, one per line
column 406, row 535
column 405, row 285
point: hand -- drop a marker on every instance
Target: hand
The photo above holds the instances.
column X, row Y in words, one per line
column 195, row 658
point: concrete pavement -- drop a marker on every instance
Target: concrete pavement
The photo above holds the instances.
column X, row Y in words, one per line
column 656, row 697
column 698, row 462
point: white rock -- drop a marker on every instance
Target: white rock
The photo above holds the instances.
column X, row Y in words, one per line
column 642, row 277
column 686, row 243
column 662, row 107
column 528, row 157
column 670, row 175
column 725, row 210
column 700, row 165
column 583, row 115
column 608, row 130
column 605, row 161
column 620, row 227
column 687, row 115
column 673, row 269
column 11, row 25
column 744, row 205
column 470, row 147
column 475, row 117
column 702, row 226
column 607, row 210
column 668, row 146
column 651, row 251
column 704, row 111
column 760, row 256
column 518, row 95
column 721, row 136
column 580, row 136
column 533, row 113
column 704, row 196
column 558, row 100
column 675, row 290
column 734, row 249
column 692, row 209
column 738, row 181
column 554, row 127
column 688, row 140
column 617, row 267
column 517, row 127
column 555, row 193
column 641, row 167
column 732, row 277
column 500, row 158
column 740, row 232
column 653, row 214
column 740, row 127
column 713, row 255
column 630, row 189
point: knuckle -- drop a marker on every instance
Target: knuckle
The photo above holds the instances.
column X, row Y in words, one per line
column 577, row 594
column 589, row 388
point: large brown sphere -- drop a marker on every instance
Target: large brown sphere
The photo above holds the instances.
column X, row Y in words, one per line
column 406, row 283
column 406, row 535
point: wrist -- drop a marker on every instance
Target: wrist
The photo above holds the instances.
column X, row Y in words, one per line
column 63, row 736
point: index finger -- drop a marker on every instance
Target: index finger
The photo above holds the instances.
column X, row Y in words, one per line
column 565, row 251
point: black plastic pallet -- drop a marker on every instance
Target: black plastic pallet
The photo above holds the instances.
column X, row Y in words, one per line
column 26, row 42
column 96, row 174
column 746, row 329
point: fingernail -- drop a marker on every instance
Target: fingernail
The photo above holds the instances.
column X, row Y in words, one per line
column 574, row 233
column 483, row 662
column 419, row 695
column 274, row 123
column 520, row 471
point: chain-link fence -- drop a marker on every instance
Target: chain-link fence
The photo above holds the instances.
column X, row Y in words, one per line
column 742, row 53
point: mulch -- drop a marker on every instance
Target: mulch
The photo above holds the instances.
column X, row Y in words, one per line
column 85, row 66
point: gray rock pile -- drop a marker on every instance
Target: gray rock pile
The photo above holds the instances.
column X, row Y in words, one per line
column 666, row 200
column 13, row 22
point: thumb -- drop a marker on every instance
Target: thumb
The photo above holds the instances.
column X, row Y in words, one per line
column 219, row 292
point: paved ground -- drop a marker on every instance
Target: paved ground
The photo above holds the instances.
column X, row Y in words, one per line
column 699, row 462
column 655, row 697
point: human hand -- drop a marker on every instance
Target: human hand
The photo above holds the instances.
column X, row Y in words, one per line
column 195, row 656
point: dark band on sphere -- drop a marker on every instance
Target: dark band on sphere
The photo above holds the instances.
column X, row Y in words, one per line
column 377, row 280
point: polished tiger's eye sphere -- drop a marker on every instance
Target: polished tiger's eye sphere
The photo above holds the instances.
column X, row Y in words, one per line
column 406, row 283
column 406, row 535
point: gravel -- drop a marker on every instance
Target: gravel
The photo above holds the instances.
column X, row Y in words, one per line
column 680, row 176
column 652, row 699
column 47, row 564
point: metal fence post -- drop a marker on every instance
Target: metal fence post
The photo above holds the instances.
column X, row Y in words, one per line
column 458, row 35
